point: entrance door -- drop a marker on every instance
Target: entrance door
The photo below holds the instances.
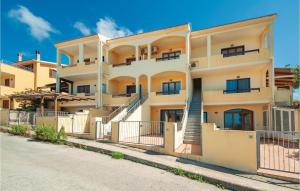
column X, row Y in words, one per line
column 197, row 83
column 141, row 91
column 171, row 115
column 238, row 119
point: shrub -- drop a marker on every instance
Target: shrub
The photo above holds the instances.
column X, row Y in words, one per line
column 117, row 155
column 19, row 130
column 47, row 133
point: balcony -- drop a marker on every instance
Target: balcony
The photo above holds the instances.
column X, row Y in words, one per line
column 78, row 69
column 6, row 90
column 220, row 97
column 152, row 66
column 219, row 61
column 117, row 100
column 157, row 98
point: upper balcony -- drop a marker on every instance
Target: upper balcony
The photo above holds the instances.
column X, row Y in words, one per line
column 79, row 59
column 231, row 48
column 252, row 95
column 164, row 54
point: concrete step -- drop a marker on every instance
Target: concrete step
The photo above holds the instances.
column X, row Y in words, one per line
column 191, row 142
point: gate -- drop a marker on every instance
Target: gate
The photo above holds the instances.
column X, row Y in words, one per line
column 103, row 130
column 279, row 150
column 142, row 132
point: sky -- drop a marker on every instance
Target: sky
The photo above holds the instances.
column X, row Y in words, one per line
column 29, row 25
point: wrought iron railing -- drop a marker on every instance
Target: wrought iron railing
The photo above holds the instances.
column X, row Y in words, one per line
column 142, row 132
column 279, row 150
column 240, row 90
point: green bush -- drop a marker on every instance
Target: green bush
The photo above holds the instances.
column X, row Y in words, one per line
column 19, row 130
column 47, row 133
column 117, row 155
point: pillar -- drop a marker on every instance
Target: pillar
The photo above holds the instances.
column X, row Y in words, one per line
column 149, row 51
column 137, row 53
column 81, row 51
column 137, row 86
column 58, row 61
column 107, row 56
column 149, row 86
column 99, row 74
column 187, row 70
column 208, row 40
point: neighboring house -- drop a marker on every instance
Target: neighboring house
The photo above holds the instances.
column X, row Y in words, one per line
column 224, row 73
column 24, row 75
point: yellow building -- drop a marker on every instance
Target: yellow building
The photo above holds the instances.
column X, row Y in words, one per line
column 24, row 75
column 222, row 74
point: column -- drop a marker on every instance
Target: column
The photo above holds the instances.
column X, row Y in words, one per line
column 149, row 86
column 137, row 86
column 187, row 70
column 149, row 51
column 81, row 51
column 137, row 53
column 208, row 50
column 99, row 74
column 107, row 56
column 58, row 61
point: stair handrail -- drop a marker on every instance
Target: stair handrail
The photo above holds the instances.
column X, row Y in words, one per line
column 132, row 108
column 185, row 113
column 106, row 119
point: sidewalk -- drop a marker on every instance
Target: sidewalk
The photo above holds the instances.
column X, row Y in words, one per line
column 231, row 179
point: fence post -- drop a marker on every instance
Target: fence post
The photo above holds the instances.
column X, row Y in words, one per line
column 139, row 132
column 258, row 149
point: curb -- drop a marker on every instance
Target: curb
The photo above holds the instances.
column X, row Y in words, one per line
column 227, row 185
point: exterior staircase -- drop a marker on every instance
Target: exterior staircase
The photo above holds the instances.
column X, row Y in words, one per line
column 192, row 133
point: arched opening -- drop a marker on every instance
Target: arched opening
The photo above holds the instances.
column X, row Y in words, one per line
column 123, row 86
column 168, row 48
column 122, row 55
column 238, row 119
column 168, row 83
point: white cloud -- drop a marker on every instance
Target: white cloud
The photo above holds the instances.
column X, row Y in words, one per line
column 39, row 27
column 82, row 28
column 108, row 27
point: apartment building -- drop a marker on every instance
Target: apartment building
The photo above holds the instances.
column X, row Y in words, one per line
column 222, row 74
column 24, row 75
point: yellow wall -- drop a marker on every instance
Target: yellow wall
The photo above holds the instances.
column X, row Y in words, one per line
column 230, row 149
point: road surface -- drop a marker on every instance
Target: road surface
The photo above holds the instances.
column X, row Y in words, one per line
column 28, row 166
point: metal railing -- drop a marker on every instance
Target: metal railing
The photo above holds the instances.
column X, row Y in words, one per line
column 142, row 132
column 133, row 105
column 168, row 58
column 240, row 90
column 21, row 118
column 184, row 116
column 279, row 150
column 108, row 118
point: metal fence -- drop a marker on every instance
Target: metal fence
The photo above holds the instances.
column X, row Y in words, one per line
column 279, row 150
column 21, row 118
column 142, row 132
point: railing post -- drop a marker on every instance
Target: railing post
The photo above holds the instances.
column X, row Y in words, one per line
column 139, row 132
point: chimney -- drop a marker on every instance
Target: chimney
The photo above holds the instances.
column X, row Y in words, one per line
column 19, row 56
column 38, row 55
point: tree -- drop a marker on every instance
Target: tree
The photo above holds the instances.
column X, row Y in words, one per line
column 296, row 72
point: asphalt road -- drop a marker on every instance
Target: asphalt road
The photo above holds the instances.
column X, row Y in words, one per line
column 29, row 165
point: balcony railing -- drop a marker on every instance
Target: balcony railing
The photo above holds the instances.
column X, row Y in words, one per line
column 240, row 90
column 240, row 53
column 121, row 64
column 167, row 93
column 168, row 58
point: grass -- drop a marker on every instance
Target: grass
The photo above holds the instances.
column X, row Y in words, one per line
column 193, row 176
column 117, row 155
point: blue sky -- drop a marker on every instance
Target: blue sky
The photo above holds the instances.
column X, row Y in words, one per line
column 30, row 25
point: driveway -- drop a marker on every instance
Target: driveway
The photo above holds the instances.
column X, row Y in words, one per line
column 29, row 165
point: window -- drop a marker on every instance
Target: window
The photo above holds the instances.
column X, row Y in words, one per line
column 104, row 88
column 130, row 89
column 238, row 85
column 52, row 73
column 171, row 55
column 171, row 115
column 83, row 89
column 205, row 117
column 233, row 51
column 5, row 104
column 7, row 82
column 171, row 88
column 238, row 119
